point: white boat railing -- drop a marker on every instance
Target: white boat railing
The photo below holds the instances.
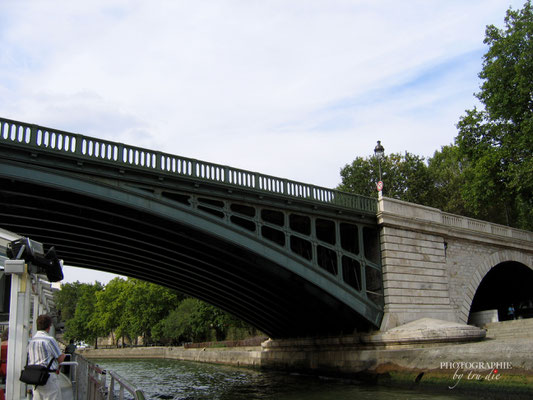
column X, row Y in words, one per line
column 90, row 382
column 123, row 385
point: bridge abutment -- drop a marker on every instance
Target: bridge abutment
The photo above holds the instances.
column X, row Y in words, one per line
column 433, row 262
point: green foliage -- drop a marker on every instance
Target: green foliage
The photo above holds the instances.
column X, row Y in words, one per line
column 196, row 321
column 83, row 326
column 405, row 177
column 360, row 177
column 446, row 169
column 132, row 308
column 111, row 306
column 67, row 298
column 146, row 304
column 498, row 140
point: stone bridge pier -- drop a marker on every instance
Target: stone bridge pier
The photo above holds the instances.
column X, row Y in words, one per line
column 443, row 266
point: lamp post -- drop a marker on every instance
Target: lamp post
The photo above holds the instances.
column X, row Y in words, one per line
column 379, row 151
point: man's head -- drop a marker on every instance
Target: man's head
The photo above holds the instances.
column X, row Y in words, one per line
column 44, row 322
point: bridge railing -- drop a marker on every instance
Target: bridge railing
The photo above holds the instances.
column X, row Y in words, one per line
column 485, row 227
column 89, row 148
column 433, row 215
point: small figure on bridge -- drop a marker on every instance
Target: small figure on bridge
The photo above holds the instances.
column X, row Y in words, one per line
column 69, row 352
column 510, row 312
column 71, row 347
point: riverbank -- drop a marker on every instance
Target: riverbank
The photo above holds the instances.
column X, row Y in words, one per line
column 493, row 365
column 237, row 356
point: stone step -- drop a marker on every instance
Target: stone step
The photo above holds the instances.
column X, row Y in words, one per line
column 517, row 323
column 508, row 336
column 526, row 332
column 518, row 328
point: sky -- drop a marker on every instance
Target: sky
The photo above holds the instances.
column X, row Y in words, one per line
column 290, row 88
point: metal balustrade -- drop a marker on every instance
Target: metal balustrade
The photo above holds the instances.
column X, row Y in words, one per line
column 458, row 221
column 92, row 383
column 123, row 386
column 88, row 148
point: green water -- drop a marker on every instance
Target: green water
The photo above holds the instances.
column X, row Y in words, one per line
column 169, row 379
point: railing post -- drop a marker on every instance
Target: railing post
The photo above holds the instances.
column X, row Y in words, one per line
column 139, row 395
column 158, row 157
column 33, row 133
column 226, row 174
column 122, row 158
column 111, row 389
column 79, row 144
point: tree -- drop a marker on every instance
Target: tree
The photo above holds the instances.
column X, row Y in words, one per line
column 446, row 169
column 132, row 308
column 66, row 299
column 185, row 323
column 110, row 307
column 197, row 321
column 498, row 140
column 405, row 177
column 147, row 304
column 84, row 325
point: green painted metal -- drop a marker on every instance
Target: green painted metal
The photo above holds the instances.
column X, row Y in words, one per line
column 35, row 137
column 229, row 204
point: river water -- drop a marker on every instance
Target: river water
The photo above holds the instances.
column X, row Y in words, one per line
column 182, row 380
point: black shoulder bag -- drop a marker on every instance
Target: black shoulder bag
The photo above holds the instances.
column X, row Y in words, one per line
column 36, row 374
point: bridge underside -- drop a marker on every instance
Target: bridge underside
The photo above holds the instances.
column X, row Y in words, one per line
column 112, row 237
column 506, row 284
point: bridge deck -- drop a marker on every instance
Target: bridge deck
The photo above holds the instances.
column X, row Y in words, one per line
column 61, row 143
column 290, row 258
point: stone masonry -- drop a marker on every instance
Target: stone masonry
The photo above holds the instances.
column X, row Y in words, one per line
column 433, row 262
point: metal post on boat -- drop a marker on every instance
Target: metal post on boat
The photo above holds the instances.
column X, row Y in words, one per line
column 19, row 317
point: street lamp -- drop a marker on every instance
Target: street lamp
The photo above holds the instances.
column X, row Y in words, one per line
column 379, row 151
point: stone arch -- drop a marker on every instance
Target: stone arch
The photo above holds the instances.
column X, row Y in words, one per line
column 481, row 271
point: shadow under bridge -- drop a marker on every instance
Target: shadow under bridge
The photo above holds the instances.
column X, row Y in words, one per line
column 291, row 259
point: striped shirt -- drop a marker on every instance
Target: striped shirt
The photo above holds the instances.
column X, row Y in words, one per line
column 42, row 348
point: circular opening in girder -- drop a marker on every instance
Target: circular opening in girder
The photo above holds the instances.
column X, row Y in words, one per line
column 506, row 285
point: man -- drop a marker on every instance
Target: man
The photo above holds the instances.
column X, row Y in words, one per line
column 41, row 350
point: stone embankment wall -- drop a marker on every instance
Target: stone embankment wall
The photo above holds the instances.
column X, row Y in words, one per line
column 237, row 356
column 504, row 364
column 342, row 355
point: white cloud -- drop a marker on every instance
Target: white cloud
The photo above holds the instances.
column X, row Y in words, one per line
column 291, row 88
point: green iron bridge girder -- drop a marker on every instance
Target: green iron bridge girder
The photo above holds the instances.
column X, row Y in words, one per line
column 290, row 258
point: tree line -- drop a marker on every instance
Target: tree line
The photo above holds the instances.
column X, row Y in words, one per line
column 487, row 173
column 129, row 309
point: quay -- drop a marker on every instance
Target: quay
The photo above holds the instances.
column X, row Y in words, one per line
column 501, row 362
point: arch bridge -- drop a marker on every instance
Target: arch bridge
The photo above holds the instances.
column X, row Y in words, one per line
column 292, row 259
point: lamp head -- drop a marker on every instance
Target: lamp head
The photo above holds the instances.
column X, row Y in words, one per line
column 379, row 150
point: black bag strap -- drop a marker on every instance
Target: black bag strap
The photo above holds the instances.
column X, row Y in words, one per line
column 47, row 367
column 50, row 363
